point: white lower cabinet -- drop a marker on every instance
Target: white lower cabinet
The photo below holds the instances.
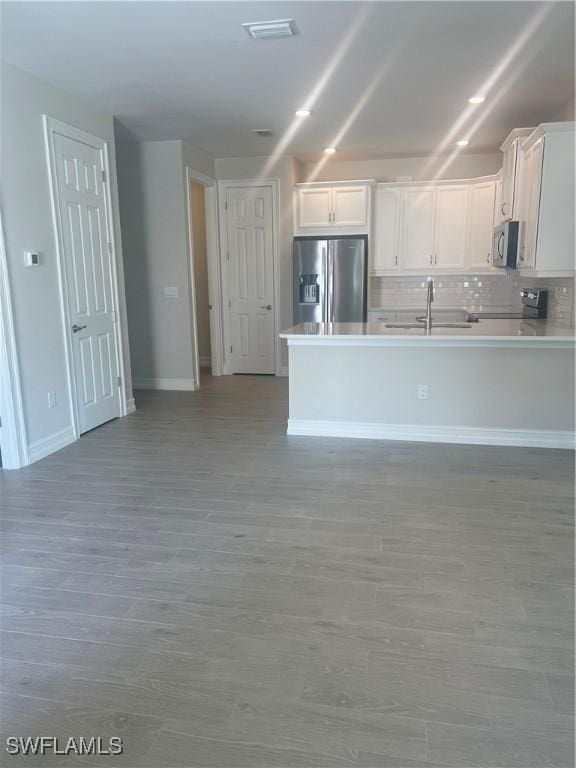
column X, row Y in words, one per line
column 451, row 226
column 482, row 212
column 417, row 231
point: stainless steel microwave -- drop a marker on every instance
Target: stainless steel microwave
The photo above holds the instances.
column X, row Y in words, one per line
column 505, row 244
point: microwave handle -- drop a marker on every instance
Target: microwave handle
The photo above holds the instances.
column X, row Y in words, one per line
column 499, row 244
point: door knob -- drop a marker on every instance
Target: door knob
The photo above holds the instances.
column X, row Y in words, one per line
column 76, row 328
column 266, row 306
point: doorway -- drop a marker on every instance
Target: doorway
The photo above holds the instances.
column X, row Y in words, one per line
column 197, row 207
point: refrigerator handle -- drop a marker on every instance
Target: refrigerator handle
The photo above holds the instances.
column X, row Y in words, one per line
column 330, row 285
column 324, row 283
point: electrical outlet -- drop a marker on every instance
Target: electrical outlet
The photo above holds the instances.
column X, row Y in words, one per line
column 422, row 391
column 51, row 399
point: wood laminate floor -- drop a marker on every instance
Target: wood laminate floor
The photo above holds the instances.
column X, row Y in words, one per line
column 220, row 595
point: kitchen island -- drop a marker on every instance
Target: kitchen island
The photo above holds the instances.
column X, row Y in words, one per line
column 494, row 382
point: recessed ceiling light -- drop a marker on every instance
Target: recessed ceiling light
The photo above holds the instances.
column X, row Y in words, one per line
column 263, row 30
column 463, row 142
column 303, row 113
column 329, row 150
column 476, row 99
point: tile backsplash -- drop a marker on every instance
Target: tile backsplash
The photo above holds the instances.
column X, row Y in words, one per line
column 475, row 292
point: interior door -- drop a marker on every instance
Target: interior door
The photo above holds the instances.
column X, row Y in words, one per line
column 482, row 208
column 417, row 247
column 89, row 280
column 451, row 226
column 251, row 279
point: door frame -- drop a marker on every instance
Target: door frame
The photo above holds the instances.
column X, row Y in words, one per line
column 13, row 440
column 223, row 187
column 214, row 283
column 52, row 126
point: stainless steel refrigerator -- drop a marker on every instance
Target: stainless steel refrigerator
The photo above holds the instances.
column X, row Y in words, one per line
column 330, row 279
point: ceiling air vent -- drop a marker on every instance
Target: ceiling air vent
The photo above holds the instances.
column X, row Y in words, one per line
column 265, row 30
column 262, row 132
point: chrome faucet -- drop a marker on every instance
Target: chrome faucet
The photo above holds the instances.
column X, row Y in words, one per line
column 429, row 300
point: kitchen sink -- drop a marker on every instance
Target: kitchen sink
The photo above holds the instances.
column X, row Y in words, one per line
column 404, row 325
column 423, row 327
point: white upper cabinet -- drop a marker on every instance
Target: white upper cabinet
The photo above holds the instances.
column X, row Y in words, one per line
column 417, row 231
column 451, row 226
column 386, row 244
column 510, row 168
column 323, row 207
column 481, row 224
column 314, row 206
column 350, row 206
column 547, row 201
column 435, row 227
column 530, row 176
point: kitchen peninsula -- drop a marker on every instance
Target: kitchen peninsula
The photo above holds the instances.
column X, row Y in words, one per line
column 494, row 382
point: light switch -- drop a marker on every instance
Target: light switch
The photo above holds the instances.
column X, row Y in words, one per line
column 31, row 259
column 170, row 292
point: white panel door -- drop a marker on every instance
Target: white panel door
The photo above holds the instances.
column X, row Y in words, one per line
column 451, row 226
column 387, row 229
column 417, row 241
column 314, row 207
column 251, row 279
column 350, row 206
column 482, row 207
column 89, row 281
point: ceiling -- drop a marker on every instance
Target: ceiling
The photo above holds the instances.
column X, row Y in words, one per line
column 383, row 79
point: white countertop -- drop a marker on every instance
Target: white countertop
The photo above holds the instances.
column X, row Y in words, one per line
column 483, row 333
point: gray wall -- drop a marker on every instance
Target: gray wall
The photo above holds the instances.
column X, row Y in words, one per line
column 462, row 166
column 505, row 388
column 155, row 234
column 28, row 226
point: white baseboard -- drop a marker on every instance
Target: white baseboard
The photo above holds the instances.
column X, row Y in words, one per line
column 205, row 362
column 41, row 448
column 130, row 405
column 176, row 384
column 436, row 434
column 283, row 371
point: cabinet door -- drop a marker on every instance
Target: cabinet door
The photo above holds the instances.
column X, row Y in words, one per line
column 481, row 225
column 451, row 226
column 417, row 241
column 498, row 217
column 530, row 204
column 314, row 207
column 508, row 181
column 387, row 229
column 350, row 206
